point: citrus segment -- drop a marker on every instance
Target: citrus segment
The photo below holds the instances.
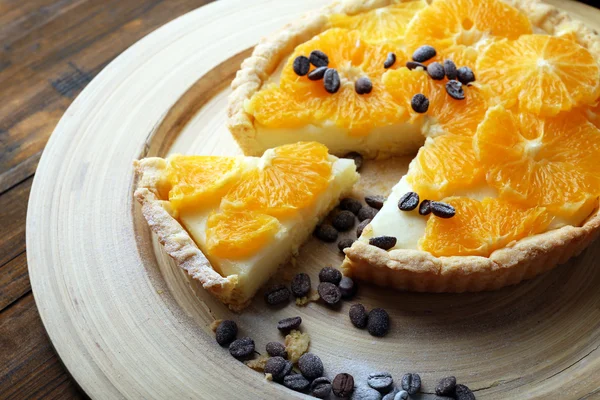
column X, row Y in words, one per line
column 275, row 108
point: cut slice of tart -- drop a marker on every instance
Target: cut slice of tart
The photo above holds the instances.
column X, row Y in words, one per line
column 230, row 222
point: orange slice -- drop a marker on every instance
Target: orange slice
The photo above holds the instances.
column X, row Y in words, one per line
column 275, row 108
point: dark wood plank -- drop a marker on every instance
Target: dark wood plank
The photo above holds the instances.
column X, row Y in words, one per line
column 13, row 211
column 14, row 280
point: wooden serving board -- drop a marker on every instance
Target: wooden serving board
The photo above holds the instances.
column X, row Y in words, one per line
column 129, row 324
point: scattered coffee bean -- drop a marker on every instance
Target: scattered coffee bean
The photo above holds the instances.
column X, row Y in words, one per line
column 344, row 220
column 278, row 367
column 363, row 85
column 277, row 294
column 226, row 332
column 361, row 226
column 317, row 74
column 365, row 393
column 442, row 210
column 366, row 213
column 296, row 382
column 358, row 159
column 450, row 69
column 331, row 81
column 330, row 293
column 425, row 207
column 326, row 233
column 318, row 58
column 358, row 316
column 344, row 244
column 463, row 393
column 383, row 242
column 310, row 366
column 276, row 349
column 389, row 61
column 378, row 323
column 419, row 103
column 301, row 65
column 465, row 75
column 409, row 201
column 455, row 90
column 376, row 201
column 351, row 205
column 446, row 386
column 401, row 395
column 331, row 275
column 301, row 285
column 414, row 65
column 436, row 71
column 381, row 381
column 411, row 383
column 343, row 385
column 391, row 395
column 347, row 287
column 320, row 387
column 242, row 348
column 424, row 53
column 287, row 324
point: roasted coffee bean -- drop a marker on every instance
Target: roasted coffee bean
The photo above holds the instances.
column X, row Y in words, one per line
column 331, row 81
column 389, row 61
column 320, row 387
column 242, row 348
column 424, row 53
column 343, row 385
column 326, row 233
column 278, row 367
column 365, row 393
column 358, row 316
column 408, row 202
column 463, row 393
column 436, row 71
column 442, row 210
column 344, row 244
column 381, row 381
column 276, row 349
column 226, row 332
column 465, row 75
column 378, row 323
column 411, row 383
column 376, row 201
column 358, row 159
column 301, row 65
column 366, row 213
column 344, row 221
column 391, row 395
column 419, row 103
column 277, row 294
column 310, row 366
column 414, row 65
column 383, row 242
column 455, row 90
column 317, row 74
column 329, row 292
column 347, row 287
column 296, row 382
column 287, row 324
column 351, row 205
column 401, row 395
column 301, row 285
column 363, row 85
column 450, row 69
column 331, row 275
column 425, row 207
column 446, row 386
column 362, row 226
column 318, row 58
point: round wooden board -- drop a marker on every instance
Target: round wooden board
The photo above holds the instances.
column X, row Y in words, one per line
column 129, row 324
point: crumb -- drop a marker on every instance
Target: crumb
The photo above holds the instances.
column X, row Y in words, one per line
column 268, row 377
column 159, row 291
column 296, row 344
column 215, row 324
column 302, row 301
column 259, row 363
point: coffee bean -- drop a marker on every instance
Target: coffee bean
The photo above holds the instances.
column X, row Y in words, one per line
column 310, row 366
column 277, row 294
column 425, row 207
column 366, row 393
column 347, row 287
column 363, row 85
column 226, row 332
column 331, row 275
column 242, row 348
column 455, row 90
column 343, row 385
column 424, row 53
column 317, row 74
column 329, row 292
column 446, row 386
column 358, row 159
column 401, row 395
column 278, row 367
column 358, row 316
column 411, row 383
column 366, row 213
column 318, row 58
column 301, row 65
column 419, row 103
column 383, row 242
column 391, row 395
column 296, row 382
column 362, row 226
column 414, row 65
column 442, row 210
column 380, row 380
column 389, row 61
column 351, row 205
column 463, row 393
column 320, row 387
column 287, row 324
column 376, row 201
column 436, row 71
column 326, row 233
column 465, row 75
column 331, row 81
column 344, row 244
column 378, row 323
column 408, row 202
column 343, row 221
column 301, row 285
column 450, row 69
column 276, row 349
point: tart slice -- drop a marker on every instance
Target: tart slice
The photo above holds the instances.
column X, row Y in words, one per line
column 230, row 222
